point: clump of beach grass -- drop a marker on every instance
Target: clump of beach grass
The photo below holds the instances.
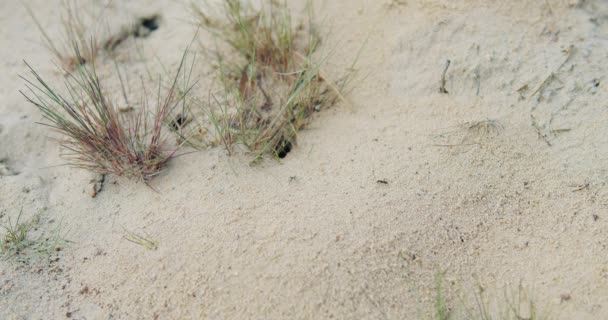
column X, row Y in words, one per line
column 95, row 134
column 271, row 86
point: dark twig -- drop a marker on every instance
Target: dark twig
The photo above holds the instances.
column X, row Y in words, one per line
column 442, row 88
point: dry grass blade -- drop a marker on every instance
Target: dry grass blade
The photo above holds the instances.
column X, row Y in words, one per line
column 95, row 133
column 145, row 242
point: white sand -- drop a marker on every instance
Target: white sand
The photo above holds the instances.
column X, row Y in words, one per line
column 241, row 242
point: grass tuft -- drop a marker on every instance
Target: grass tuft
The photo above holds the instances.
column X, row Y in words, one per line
column 16, row 240
column 15, row 236
column 95, row 134
column 265, row 37
column 270, row 83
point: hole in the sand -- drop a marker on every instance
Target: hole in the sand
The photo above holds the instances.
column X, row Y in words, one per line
column 147, row 25
column 283, row 149
column 179, row 121
column 141, row 29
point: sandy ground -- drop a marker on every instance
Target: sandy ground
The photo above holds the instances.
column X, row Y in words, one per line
column 523, row 200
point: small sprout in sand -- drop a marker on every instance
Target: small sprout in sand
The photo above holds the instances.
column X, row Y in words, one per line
column 146, row 242
column 96, row 135
column 15, row 235
column 271, row 85
column 17, row 240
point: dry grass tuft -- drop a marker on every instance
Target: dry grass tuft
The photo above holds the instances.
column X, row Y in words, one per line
column 271, row 86
column 96, row 135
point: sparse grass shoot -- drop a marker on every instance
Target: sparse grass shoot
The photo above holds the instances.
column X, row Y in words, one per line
column 517, row 305
column 442, row 312
column 15, row 235
column 75, row 35
column 16, row 239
